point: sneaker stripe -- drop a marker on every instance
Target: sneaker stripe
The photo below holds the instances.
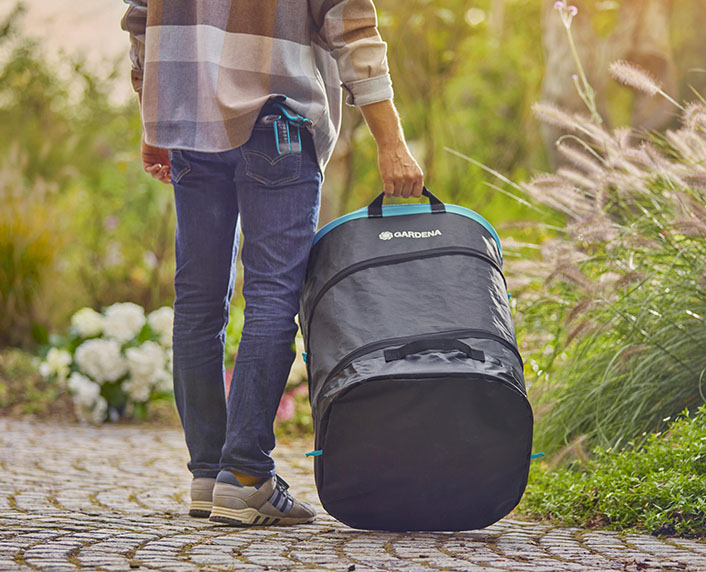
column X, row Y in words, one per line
column 275, row 499
column 281, row 502
column 289, row 503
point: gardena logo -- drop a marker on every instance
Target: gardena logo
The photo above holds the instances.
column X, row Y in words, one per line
column 387, row 235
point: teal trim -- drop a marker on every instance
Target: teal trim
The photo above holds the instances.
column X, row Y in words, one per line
column 315, row 453
column 296, row 118
column 305, row 356
column 274, row 125
column 536, row 456
column 399, row 210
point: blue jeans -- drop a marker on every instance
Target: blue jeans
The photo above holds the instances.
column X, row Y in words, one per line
column 274, row 198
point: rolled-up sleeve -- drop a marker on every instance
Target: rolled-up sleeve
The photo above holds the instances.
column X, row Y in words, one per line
column 349, row 29
column 134, row 22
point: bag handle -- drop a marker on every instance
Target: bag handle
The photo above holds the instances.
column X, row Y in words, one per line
column 375, row 208
column 443, row 344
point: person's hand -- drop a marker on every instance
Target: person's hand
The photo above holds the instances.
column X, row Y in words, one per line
column 400, row 173
column 155, row 161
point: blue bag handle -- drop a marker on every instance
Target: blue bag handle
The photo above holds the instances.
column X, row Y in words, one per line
column 375, row 208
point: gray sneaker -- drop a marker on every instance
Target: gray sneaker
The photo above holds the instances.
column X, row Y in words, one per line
column 201, row 497
column 268, row 503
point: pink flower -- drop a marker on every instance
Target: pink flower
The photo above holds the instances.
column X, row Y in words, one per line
column 301, row 389
column 287, row 407
column 567, row 11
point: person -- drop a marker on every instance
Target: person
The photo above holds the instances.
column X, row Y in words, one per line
column 241, row 108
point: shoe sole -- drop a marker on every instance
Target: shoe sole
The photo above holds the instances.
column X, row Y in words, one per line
column 200, row 509
column 252, row 517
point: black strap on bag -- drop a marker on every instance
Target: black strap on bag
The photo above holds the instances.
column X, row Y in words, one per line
column 375, row 208
column 423, row 345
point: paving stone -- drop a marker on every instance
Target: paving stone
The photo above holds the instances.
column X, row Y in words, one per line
column 117, row 501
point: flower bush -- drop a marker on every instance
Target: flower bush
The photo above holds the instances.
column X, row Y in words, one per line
column 113, row 363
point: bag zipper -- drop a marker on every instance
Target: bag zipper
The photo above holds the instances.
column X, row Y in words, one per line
column 396, row 259
column 374, row 346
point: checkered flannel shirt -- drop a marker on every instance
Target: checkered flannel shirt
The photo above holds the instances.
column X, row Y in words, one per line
column 206, row 67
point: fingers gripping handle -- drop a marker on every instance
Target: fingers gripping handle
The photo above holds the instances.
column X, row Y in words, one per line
column 375, row 208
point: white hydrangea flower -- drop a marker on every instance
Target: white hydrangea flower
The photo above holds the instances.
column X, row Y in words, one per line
column 147, row 366
column 164, row 381
column 100, row 408
column 83, row 390
column 165, row 378
column 123, row 321
column 101, row 359
column 87, row 322
column 146, row 360
column 89, row 404
column 138, row 388
column 170, row 360
column 57, row 363
column 162, row 322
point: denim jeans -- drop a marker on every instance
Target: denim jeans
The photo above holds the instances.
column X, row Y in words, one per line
column 274, row 198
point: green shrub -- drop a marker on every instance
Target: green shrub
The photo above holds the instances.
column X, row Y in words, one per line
column 23, row 391
column 657, row 487
column 28, row 248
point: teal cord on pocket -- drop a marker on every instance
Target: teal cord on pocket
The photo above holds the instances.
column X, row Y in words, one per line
column 536, row 456
column 317, row 453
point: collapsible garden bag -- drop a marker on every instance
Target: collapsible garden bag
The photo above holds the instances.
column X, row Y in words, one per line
column 416, row 383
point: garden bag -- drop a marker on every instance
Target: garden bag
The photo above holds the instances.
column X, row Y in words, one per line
column 416, row 383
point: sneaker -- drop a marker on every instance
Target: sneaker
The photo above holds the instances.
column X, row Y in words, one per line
column 268, row 503
column 201, row 497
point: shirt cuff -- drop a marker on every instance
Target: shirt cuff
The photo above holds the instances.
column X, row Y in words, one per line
column 368, row 90
column 136, row 78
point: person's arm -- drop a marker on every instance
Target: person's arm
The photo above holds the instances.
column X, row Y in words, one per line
column 400, row 173
column 155, row 161
column 349, row 29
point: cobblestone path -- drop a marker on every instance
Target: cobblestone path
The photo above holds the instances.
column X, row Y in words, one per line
column 114, row 498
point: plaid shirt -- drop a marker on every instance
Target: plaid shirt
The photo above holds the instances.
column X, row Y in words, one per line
column 206, row 67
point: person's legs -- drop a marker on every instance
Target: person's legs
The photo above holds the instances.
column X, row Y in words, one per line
column 206, row 245
column 278, row 200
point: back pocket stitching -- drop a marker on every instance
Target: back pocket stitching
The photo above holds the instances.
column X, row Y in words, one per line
column 249, row 171
column 184, row 170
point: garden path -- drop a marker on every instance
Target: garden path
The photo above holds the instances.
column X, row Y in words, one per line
column 113, row 498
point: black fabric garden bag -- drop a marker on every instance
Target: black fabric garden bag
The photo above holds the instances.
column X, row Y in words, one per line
column 416, row 384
